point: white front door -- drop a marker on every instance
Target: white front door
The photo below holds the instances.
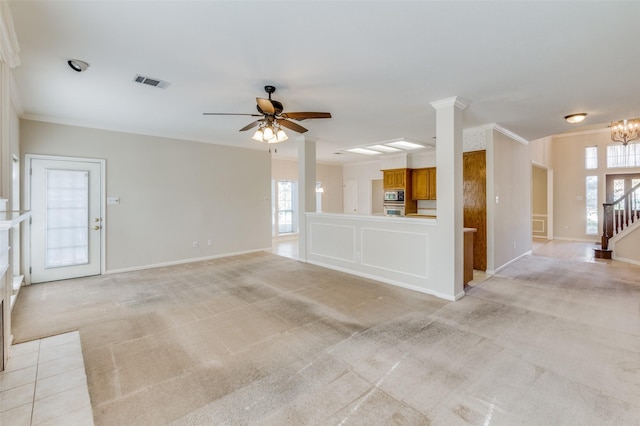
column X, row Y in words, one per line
column 66, row 227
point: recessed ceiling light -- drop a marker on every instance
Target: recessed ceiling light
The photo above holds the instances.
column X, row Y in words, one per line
column 576, row 118
column 77, row 65
column 405, row 145
column 384, row 148
column 363, row 151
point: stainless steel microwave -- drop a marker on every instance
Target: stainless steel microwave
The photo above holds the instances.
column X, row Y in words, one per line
column 396, row 195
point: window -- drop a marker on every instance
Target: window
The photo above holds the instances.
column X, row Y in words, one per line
column 592, row 205
column 591, row 157
column 284, row 214
column 319, row 192
column 618, row 191
column 619, row 155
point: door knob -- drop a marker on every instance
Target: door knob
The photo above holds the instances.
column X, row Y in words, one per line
column 97, row 228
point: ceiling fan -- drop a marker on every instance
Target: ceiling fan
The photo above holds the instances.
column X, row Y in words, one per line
column 273, row 119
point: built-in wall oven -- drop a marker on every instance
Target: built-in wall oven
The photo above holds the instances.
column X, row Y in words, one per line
column 394, row 209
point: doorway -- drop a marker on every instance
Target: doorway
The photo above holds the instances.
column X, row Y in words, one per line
column 377, row 197
column 66, row 230
column 618, row 185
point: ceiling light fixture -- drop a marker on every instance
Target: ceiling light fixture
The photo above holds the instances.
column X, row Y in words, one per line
column 77, row 65
column 270, row 132
column 363, row 151
column 406, row 145
column 384, row 148
column 576, row 118
column 388, row 147
column 625, row 131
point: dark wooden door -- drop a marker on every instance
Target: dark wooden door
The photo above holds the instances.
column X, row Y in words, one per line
column 475, row 203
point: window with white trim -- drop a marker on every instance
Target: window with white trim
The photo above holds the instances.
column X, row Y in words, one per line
column 284, row 218
column 619, row 155
column 591, row 157
column 591, row 192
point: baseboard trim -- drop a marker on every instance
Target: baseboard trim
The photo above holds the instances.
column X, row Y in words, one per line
column 579, row 240
column 183, row 261
column 500, row 268
column 625, row 260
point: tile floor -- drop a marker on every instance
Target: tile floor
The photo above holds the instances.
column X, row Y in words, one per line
column 45, row 384
column 579, row 251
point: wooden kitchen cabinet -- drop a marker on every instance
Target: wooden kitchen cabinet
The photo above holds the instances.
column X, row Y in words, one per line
column 424, row 184
column 395, row 178
column 432, row 183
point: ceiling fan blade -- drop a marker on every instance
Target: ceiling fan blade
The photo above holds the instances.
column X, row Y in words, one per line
column 291, row 125
column 266, row 106
column 250, row 125
column 305, row 115
column 230, row 113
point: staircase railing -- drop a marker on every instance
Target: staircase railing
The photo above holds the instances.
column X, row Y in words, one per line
column 619, row 215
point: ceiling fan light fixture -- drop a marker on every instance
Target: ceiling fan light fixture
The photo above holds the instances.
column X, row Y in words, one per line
column 257, row 136
column 281, row 136
column 576, row 118
column 267, row 133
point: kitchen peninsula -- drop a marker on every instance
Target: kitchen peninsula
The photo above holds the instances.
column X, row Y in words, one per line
column 402, row 251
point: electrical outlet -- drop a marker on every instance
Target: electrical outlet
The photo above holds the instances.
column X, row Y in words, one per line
column 195, row 244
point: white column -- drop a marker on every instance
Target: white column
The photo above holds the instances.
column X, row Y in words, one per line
column 450, row 243
column 306, row 189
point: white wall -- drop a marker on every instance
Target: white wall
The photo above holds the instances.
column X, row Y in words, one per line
column 625, row 248
column 541, row 152
column 172, row 192
column 509, row 219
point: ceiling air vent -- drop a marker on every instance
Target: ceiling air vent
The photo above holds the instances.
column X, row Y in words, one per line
column 151, row 81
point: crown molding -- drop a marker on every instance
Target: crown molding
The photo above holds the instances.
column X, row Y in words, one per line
column 580, row 133
column 448, row 102
column 516, row 137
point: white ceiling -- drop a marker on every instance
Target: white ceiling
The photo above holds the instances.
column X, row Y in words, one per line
column 376, row 66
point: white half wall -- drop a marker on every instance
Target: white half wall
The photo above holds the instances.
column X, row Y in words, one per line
column 398, row 251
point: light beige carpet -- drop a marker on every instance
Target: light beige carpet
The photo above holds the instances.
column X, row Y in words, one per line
column 262, row 339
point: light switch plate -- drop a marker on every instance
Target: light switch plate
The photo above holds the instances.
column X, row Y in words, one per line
column 113, row 200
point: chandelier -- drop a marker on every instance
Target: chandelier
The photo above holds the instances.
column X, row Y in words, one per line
column 625, row 131
column 270, row 132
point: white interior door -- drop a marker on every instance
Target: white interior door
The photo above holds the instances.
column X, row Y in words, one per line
column 350, row 196
column 66, row 227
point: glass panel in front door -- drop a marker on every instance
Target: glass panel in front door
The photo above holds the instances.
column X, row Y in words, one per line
column 67, row 218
